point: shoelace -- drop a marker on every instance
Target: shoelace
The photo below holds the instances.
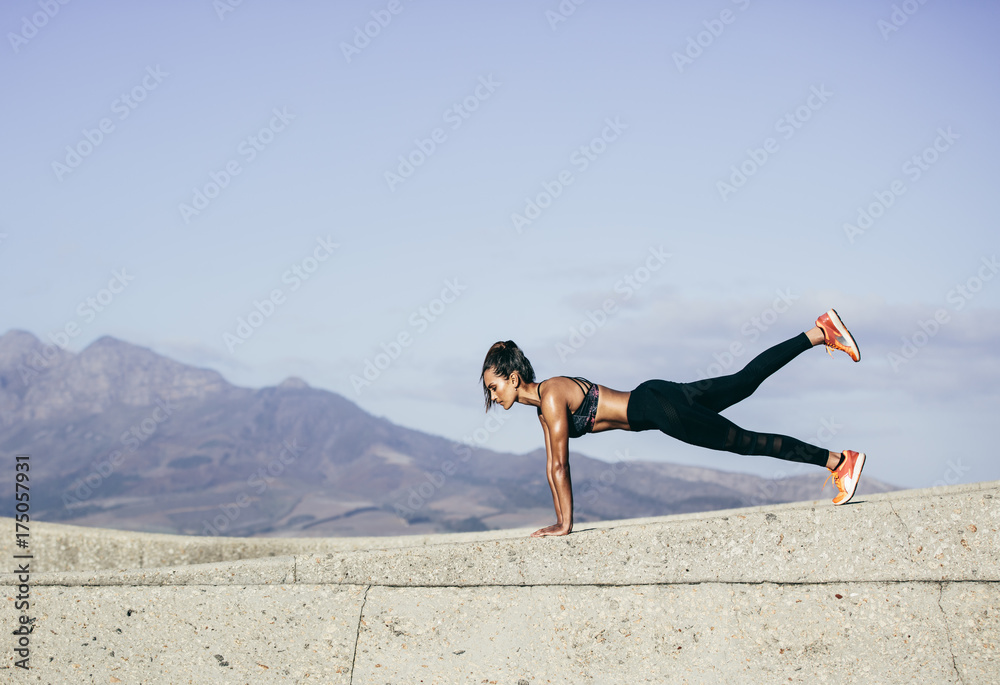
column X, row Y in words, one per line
column 827, row 336
column 836, row 481
column 826, row 339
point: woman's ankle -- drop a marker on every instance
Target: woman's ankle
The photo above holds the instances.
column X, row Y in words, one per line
column 835, row 456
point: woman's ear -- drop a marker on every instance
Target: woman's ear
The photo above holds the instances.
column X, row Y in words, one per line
column 515, row 379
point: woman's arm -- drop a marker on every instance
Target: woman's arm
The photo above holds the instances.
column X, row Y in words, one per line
column 548, row 466
column 557, row 467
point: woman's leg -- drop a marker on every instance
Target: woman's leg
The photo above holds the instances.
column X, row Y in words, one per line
column 725, row 391
column 719, row 393
column 689, row 411
column 663, row 405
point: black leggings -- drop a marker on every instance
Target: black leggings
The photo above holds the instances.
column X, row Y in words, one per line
column 690, row 411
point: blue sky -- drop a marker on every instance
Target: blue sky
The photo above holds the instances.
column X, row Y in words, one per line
column 216, row 153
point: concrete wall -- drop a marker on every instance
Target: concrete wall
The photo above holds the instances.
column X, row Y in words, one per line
column 902, row 587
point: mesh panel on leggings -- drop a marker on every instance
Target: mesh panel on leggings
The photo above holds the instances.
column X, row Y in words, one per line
column 748, row 443
column 673, row 419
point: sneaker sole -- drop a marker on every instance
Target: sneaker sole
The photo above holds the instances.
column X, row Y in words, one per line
column 844, row 333
column 858, row 465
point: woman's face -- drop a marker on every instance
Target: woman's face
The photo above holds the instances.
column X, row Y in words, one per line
column 502, row 390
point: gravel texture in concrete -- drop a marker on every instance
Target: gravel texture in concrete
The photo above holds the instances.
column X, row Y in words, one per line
column 193, row 634
column 712, row 632
column 900, row 588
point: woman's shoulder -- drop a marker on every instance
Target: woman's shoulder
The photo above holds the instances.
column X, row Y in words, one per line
column 565, row 385
column 555, row 381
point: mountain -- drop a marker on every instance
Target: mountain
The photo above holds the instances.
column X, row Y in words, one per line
column 121, row 437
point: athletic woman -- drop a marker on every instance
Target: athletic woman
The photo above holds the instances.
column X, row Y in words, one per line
column 570, row 407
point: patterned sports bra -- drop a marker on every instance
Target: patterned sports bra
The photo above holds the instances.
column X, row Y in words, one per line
column 582, row 420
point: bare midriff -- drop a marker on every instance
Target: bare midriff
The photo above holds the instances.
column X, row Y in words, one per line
column 612, row 410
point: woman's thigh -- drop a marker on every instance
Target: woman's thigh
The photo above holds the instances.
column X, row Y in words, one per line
column 666, row 406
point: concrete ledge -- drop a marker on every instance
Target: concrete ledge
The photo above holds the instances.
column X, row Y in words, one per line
column 713, row 632
column 950, row 536
column 200, row 634
column 902, row 587
column 267, row 571
column 871, row 633
column 60, row 547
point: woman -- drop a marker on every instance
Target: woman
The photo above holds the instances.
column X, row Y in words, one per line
column 571, row 407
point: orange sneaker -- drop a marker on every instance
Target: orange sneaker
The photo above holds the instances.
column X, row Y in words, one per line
column 836, row 335
column 847, row 475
